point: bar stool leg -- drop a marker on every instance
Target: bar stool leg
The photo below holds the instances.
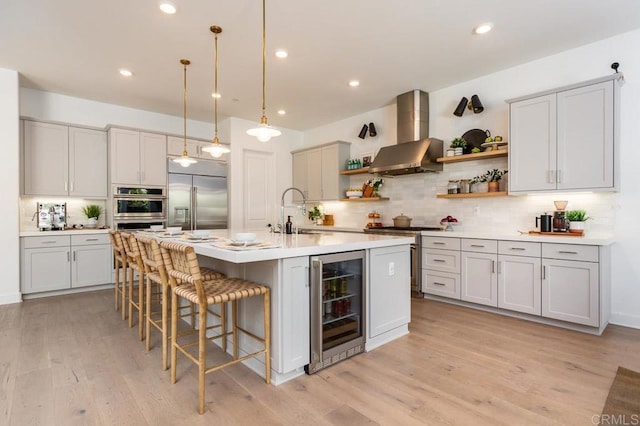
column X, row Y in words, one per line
column 223, row 323
column 267, row 337
column 125, row 269
column 148, row 314
column 234, row 320
column 174, row 335
column 165, row 323
column 130, row 280
column 202, row 354
column 141, row 293
column 116, row 283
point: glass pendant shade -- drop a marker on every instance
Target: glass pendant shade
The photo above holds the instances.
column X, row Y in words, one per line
column 185, row 160
column 215, row 149
column 264, row 132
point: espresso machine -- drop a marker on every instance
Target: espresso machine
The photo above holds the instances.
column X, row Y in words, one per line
column 52, row 216
column 560, row 222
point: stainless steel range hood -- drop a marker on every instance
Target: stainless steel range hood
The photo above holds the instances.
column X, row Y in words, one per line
column 415, row 152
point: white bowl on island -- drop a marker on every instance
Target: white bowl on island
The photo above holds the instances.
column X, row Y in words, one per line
column 156, row 228
column 200, row 233
column 174, row 230
column 245, row 237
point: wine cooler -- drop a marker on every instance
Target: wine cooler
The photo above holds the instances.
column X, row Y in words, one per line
column 337, row 308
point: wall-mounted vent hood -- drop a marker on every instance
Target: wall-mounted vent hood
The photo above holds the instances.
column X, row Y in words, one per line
column 415, row 152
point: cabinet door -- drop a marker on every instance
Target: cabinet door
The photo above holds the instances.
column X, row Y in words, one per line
column 479, row 279
column 331, row 176
column 441, row 283
column 124, row 147
column 153, row 159
column 293, row 304
column 532, row 144
column 91, row 265
column 389, row 289
column 87, row 163
column 519, row 284
column 585, row 137
column 46, row 159
column 314, row 174
column 175, row 146
column 570, row 291
column 300, row 181
column 45, row 269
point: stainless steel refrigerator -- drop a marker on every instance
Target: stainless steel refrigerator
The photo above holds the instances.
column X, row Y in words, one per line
column 198, row 195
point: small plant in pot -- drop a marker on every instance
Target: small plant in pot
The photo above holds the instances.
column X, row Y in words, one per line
column 459, row 145
column 576, row 219
column 315, row 215
column 478, row 184
column 493, row 177
column 92, row 212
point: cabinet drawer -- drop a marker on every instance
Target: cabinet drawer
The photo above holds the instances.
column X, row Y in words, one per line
column 480, row 246
column 441, row 260
column 519, row 248
column 441, row 243
column 89, row 239
column 441, row 284
column 570, row 252
column 45, row 241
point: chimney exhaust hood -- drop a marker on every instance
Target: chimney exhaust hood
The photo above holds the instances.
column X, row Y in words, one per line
column 415, row 152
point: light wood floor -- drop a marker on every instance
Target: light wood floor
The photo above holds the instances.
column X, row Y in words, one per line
column 71, row 360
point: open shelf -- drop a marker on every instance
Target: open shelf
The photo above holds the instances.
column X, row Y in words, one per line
column 365, row 199
column 360, row 171
column 475, row 195
column 470, row 157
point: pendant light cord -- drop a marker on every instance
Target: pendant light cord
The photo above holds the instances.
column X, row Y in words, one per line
column 264, row 57
column 185, row 62
column 215, row 88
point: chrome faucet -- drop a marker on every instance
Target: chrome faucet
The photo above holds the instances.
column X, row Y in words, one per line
column 282, row 206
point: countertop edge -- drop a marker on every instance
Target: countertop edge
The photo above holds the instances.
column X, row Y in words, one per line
column 591, row 240
column 70, row 232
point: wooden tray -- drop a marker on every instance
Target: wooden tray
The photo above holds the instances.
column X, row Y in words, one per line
column 558, row 234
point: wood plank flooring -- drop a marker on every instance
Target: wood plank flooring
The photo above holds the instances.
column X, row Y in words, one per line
column 71, row 360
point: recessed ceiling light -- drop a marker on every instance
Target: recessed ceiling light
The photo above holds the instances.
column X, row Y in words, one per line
column 483, row 28
column 281, row 53
column 216, row 95
column 168, row 7
column 354, row 83
column 126, row 73
column 282, row 112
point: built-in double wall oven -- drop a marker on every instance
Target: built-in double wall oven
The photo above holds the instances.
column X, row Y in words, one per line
column 136, row 208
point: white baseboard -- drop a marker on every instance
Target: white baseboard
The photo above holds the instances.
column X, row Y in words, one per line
column 7, row 299
column 625, row 320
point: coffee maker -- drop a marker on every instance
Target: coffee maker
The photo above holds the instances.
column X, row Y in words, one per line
column 52, row 216
column 560, row 222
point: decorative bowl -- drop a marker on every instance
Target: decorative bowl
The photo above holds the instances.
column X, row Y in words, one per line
column 174, row 230
column 156, row 228
column 245, row 236
column 354, row 194
column 200, row 233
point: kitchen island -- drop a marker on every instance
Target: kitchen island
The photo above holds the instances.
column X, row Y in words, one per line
column 283, row 263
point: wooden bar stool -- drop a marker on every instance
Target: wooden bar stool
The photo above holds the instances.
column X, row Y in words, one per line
column 120, row 262
column 182, row 265
column 136, row 298
column 156, row 273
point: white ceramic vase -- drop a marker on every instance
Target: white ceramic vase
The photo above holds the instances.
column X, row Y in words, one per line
column 576, row 226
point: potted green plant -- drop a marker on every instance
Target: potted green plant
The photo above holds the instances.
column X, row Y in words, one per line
column 459, row 145
column 92, row 212
column 315, row 215
column 493, row 177
column 576, row 219
column 478, row 184
column 375, row 183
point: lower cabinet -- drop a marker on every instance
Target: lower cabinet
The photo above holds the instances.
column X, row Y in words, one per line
column 292, row 352
column 441, row 266
column 479, row 275
column 65, row 261
column 519, row 276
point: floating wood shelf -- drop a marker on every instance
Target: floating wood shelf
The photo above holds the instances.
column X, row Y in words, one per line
column 366, row 199
column 470, row 157
column 360, row 171
column 475, row 195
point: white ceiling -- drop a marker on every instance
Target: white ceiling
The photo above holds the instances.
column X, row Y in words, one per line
column 75, row 47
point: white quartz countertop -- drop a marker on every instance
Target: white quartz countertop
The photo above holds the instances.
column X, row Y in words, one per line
column 323, row 228
column 65, row 232
column 280, row 246
column 595, row 239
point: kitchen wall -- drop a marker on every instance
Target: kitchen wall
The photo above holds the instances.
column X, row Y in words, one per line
column 28, row 206
column 415, row 195
column 9, row 136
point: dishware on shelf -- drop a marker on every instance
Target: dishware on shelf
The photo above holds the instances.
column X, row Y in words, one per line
column 354, row 194
column 174, row 230
column 494, row 145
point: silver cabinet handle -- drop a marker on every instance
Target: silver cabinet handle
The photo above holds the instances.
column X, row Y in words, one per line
column 47, row 242
column 438, row 243
column 567, row 252
column 493, row 266
column 68, row 257
column 559, row 176
column 544, row 272
column 74, row 255
column 307, row 279
column 195, row 208
column 477, row 245
column 71, row 186
column 439, row 260
column 66, row 186
column 499, row 262
column 437, row 283
column 550, row 176
column 518, row 248
column 91, row 239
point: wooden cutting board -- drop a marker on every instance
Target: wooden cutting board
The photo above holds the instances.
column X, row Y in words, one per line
column 558, row 234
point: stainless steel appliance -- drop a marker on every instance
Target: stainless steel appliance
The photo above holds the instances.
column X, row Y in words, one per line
column 51, row 216
column 337, row 308
column 198, row 195
column 135, row 204
column 416, row 250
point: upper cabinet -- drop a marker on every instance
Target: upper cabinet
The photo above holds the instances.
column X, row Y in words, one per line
column 175, row 146
column 64, row 161
column 316, row 172
column 137, row 158
column 564, row 140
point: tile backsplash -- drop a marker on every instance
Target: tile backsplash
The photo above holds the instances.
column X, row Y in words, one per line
column 28, row 207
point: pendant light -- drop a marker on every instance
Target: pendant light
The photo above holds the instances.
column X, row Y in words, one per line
column 264, row 132
column 185, row 161
column 215, row 149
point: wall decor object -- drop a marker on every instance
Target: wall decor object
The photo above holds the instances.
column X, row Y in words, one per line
column 367, row 159
column 363, row 132
column 372, row 130
column 475, row 104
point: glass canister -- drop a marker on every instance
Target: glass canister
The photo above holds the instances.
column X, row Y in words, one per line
column 465, row 184
column 453, row 187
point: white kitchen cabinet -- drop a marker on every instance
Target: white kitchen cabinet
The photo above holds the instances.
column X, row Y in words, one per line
column 62, row 262
column 389, row 293
column 293, row 311
column 64, row 161
column 478, row 271
column 316, row 172
column 564, row 140
column 519, row 276
column 571, row 284
column 175, row 146
column 137, row 158
column 441, row 266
